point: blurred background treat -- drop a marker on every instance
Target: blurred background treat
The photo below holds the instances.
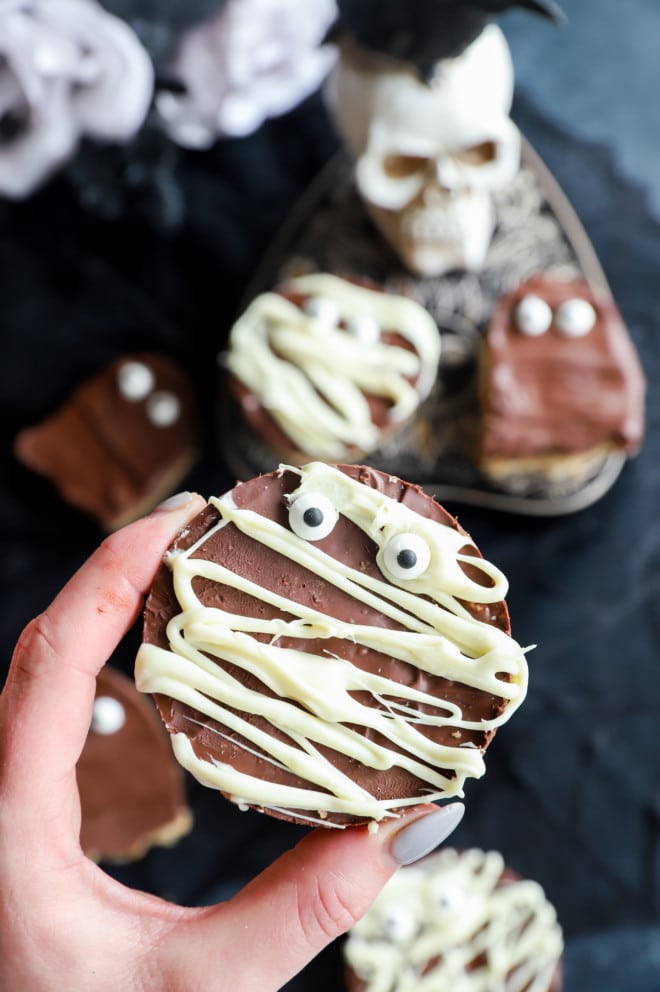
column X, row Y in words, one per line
column 323, row 368
column 132, row 793
column 136, row 225
column 458, row 919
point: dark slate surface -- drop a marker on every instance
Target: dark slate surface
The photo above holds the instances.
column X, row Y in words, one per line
column 572, row 794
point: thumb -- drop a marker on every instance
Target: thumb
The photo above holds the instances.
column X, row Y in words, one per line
column 307, row 898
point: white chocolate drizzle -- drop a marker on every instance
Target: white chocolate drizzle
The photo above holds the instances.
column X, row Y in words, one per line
column 452, row 909
column 311, row 374
column 313, row 701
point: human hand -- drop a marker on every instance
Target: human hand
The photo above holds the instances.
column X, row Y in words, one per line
column 66, row 924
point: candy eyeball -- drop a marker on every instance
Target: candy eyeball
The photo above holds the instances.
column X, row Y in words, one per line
column 533, row 316
column 399, row 924
column 108, row 715
column 324, row 311
column 363, row 329
column 449, row 901
column 575, row 318
column 163, row 408
column 312, row 516
column 406, row 556
column 135, row 380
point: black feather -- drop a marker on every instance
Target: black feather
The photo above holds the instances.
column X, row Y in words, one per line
column 424, row 31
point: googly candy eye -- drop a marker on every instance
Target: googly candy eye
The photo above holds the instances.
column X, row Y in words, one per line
column 323, row 311
column 449, row 900
column 406, row 556
column 533, row 316
column 108, row 715
column 575, row 318
column 135, row 380
column 163, row 408
column 363, row 329
column 312, row 516
column 399, row 924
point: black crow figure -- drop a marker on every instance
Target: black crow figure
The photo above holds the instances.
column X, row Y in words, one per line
column 424, row 31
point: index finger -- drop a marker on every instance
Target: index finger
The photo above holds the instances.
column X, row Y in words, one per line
column 46, row 705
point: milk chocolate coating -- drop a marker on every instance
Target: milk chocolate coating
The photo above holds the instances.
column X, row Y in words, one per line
column 265, row 495
column 131, row 788
column 103, row 452
column 555, row 395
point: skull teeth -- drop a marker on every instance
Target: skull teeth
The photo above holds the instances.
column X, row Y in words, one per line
column 432, row 225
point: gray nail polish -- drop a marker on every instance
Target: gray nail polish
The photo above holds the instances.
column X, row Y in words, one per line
column 175, row 502
column 420, row 837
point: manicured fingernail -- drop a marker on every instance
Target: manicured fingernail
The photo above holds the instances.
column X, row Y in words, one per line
column 421, row 836
column 175, row 502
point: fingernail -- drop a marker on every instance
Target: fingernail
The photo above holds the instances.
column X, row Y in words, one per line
column 416, row 839
column 175, row 502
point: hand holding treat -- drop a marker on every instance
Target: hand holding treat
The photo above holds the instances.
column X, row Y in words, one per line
column 62, row 919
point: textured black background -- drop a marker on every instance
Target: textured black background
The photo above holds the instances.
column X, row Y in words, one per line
column 572, row 795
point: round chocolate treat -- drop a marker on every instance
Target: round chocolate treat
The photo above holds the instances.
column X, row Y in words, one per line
column 131, row 790
column 458, row 920
column 326, row 644
column 326, row 367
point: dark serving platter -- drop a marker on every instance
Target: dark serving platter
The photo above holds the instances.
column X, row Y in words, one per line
column 537, row 230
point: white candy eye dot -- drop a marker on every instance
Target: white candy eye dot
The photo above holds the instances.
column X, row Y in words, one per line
column 363, row 329
column 135, row 380
column 399, row 924
column 533, row 316
column 575, row 318
column 163, row 409
column 312, row 516
column 323, row 311
column 108, row 715
column 406, row 556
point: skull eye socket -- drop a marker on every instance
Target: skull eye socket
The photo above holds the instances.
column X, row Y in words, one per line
column 406, row 556
column 312, row 516
column 404, row 166
column 481, row 154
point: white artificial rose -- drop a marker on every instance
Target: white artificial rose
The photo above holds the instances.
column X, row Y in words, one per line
column 68, row 69
column 256, row 59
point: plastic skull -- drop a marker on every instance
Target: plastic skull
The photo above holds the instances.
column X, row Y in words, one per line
column 430, row 155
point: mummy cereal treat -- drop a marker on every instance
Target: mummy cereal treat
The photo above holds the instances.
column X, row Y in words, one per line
column 327, row 368
column 131, row 789
column 460, row 921
column 121, row 442
column 326, row 644
column 561, row 384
